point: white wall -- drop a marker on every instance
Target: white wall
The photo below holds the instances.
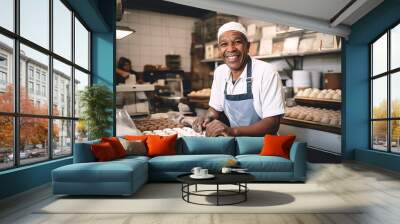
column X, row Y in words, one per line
column 323, row 63
column 156, row 35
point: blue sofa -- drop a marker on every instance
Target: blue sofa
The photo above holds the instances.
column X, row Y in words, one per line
column 125, row 176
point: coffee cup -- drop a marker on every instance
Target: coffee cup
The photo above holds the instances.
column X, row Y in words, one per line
column 203, row 172
column 226, row 170
column 196, row 171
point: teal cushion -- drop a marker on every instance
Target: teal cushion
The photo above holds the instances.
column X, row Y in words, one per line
column 111, row 171
column 249, row 145
column 185, row 163
column 257, row 163
column 83, row 152
column 133, row 157
column 209, row 145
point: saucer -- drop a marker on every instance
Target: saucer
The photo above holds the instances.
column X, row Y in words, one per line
column 208, row 176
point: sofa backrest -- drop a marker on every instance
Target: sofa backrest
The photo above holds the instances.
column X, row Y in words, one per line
column 249, row 145
column 202, row 145
column 83, row 152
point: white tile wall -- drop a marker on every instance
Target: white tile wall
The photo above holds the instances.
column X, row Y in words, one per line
column 156, row 35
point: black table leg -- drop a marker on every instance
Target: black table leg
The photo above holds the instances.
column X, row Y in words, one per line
column 188, row 190
column 245, row 193
column 217, row 194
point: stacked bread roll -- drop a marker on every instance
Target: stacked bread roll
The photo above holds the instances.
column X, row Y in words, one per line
column 316, row 115
column 186, row 131
column 325, row 94
column 201, row 93
column 156, row 124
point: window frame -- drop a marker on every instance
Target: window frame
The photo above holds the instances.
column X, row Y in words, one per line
column 388, row 74
column 16, row 114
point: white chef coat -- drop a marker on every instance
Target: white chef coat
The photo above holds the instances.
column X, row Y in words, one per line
column 267, row 89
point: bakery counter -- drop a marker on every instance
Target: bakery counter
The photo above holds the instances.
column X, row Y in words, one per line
column 134, row 87
column 167, row 124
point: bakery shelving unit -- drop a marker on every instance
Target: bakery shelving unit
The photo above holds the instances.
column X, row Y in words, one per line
column 318, row 103
column 311, row 125
column 325, row 103
column 282, row 56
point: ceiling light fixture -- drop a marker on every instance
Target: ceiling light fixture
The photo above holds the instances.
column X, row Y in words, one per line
column 123, row 31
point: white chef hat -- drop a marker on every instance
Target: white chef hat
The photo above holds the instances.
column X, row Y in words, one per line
column 235, row 26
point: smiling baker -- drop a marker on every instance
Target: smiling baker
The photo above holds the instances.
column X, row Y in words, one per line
column 246, row 90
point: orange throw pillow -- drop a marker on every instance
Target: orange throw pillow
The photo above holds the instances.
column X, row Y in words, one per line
column 161, row 145
column 277, row 145
column 136, row 137
column 103, row 151
column 116, row 145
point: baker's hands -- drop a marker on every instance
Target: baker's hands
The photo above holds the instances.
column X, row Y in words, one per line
column 217, row 128
column 200, row 123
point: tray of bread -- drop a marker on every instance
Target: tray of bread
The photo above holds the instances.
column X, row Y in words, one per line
column 201, row 94
column 327, row 95
column 156, row 124
column 314, row 115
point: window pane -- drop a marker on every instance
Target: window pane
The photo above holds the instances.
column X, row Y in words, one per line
column 395, row 94
column 34, row 97
column 81, row 45
column 35, row 21
column 33, row 139
column 6, row 142
column 379, row 97
column 62, row 141
column 62, row 89
column 379, row 135
column 81, row 132
column 7, row 14
column 6, row 74
column 395, row 47
column 81, row 81
column 379, row 56
column 62, row 29
column 395, row 136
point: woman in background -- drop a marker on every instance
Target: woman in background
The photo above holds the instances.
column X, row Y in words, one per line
column 124, row 70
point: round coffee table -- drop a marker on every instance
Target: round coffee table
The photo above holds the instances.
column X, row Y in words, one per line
column 238, row 179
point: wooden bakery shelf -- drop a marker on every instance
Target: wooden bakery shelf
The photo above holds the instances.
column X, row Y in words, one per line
column 280, row 56
column 311, row 125
column 325, row 103
column 199, row 98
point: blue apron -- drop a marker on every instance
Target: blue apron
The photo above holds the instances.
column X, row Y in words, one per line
column 240, row 108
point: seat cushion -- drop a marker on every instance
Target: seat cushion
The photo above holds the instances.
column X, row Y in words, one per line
column 132, row 160
column 111, row 171
column 257, row 163
column 185, row 163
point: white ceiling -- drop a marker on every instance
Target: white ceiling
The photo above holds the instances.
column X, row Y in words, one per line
column 321, row 9
column 308, row 14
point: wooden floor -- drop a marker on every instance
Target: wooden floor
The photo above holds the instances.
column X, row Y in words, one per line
column 378, row 189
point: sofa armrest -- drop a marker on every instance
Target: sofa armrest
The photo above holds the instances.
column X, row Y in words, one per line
column 298, row 155
column 83, row 152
